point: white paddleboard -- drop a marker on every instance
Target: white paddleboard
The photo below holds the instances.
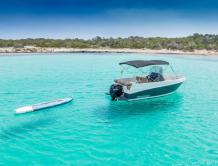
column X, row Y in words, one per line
column 43, row 105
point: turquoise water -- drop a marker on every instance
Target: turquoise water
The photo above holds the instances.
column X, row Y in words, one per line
column 181, row 129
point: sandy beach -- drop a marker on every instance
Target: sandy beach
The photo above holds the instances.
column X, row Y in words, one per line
column 103, row 50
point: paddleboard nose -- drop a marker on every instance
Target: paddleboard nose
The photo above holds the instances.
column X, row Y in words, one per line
column 24, row 109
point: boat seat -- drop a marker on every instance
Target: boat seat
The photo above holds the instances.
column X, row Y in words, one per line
column 155, row 77
column 142, row 79
column 124, row 81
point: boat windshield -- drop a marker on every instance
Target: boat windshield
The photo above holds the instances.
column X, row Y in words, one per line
column 156, row 69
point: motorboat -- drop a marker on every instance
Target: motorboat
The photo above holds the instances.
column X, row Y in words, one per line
column 159, row 79
column 44, row 105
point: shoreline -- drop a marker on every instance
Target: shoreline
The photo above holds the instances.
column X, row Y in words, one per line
column 9, row 50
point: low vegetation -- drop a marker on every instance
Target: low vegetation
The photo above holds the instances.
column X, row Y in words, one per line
column 194, row 42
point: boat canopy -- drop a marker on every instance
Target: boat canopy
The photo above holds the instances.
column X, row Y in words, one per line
column 143, row 63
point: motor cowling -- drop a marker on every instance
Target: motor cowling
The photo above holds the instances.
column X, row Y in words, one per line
column 116, row 91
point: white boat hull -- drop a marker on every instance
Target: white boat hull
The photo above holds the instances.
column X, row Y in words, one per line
column 152, row 90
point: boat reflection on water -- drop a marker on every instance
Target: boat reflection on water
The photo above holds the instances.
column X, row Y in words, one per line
column 123, row 110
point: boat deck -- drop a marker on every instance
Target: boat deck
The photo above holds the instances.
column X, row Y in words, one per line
column 140, row 80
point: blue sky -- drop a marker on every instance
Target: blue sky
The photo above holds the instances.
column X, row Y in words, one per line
column 107, row 18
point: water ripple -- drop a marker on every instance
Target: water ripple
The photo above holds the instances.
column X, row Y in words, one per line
column 180, row 129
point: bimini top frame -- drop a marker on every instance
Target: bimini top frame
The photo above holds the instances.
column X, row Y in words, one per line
column 143, row 63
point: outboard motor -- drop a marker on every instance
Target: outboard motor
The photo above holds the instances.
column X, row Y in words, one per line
column 116, row 90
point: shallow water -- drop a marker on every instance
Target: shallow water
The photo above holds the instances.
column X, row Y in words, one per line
column 181, row 129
